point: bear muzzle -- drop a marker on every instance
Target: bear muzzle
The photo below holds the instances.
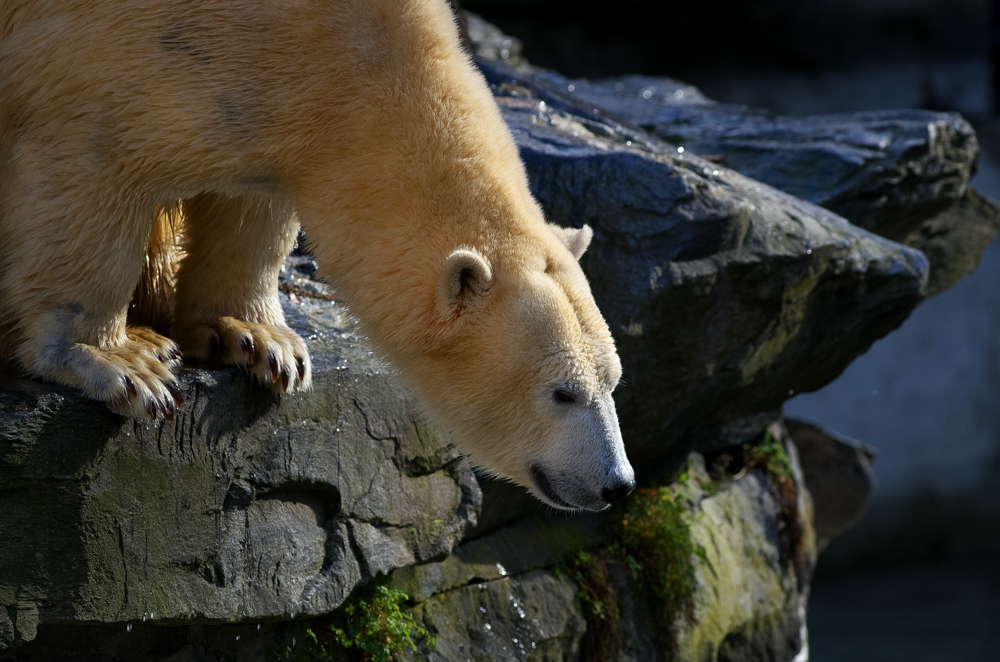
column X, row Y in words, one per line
column 563, row 492
column 585, row 467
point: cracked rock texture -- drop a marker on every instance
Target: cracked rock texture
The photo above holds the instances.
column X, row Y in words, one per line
column 498, row 597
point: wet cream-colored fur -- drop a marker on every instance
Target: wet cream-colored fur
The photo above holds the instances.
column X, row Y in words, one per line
column 361, row 119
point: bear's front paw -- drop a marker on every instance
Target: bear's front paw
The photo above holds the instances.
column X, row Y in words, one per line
column 134, row 379
column 274, row 355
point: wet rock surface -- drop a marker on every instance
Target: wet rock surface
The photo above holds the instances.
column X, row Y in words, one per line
column 883, row 170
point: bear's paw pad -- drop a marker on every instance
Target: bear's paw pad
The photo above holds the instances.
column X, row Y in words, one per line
column 274, row 355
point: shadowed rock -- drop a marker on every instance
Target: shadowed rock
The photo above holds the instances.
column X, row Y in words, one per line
column 838, row 474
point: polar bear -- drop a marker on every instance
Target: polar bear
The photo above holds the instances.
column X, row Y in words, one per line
column 362, row 119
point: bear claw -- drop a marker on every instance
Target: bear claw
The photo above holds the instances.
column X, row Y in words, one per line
column 175, row 393
column 272, row 362
column 272, row 354
column 246, row 344
column 131, row 376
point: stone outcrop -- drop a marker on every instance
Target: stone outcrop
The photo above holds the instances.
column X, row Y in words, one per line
column 839, row 474
column 726, row 296
column 247, row 506
column 755, row 551
column 902, row 174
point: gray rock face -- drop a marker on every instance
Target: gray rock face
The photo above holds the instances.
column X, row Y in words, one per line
column 838, row 474
column 902, row 174
column 244, row 508
column 885, row 171
column 954, row 239
column 532, row 617
column 724, row 294
column 496, row 597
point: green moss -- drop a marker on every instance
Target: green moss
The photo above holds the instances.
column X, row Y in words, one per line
column 599, row 603
column 654, row 543
column 368, row 627
column 769, row 455
column 655, row 540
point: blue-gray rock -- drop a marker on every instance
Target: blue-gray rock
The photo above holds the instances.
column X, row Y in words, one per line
column 838, row 474
column 883, row 170
column 902, row 174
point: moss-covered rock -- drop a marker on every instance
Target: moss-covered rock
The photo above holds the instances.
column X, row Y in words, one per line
column 712, row 567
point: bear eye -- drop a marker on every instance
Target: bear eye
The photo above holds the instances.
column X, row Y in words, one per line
column 564, row 397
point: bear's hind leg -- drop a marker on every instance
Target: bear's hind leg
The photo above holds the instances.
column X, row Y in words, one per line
column 227, row 306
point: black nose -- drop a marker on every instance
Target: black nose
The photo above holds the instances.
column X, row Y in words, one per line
column 618, row 493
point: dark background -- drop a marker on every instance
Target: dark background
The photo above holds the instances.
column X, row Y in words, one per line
column 698, row 41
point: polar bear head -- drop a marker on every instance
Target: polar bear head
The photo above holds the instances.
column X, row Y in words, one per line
column 525, row 378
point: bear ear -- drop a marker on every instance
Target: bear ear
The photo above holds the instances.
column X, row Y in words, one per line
column 576, row 240
column 466, row 276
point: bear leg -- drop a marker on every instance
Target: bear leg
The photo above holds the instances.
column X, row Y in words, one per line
column 71, row 255
column 227, row 306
